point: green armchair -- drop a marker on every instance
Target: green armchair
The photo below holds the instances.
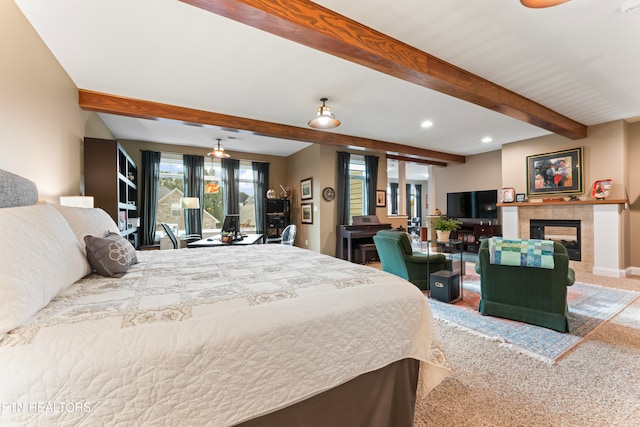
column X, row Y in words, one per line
column 397, row 257
column 537, row 296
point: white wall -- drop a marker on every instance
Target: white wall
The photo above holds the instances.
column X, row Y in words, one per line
column 42, row 127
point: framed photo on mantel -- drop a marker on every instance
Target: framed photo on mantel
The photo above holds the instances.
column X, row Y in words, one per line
column 507, row 195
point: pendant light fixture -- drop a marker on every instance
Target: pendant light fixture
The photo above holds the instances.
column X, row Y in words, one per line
column 324, row 119
column 539, row 4
column 218, row 151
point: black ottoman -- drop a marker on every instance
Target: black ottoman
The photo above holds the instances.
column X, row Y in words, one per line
column 444, row 285
column 366, row 252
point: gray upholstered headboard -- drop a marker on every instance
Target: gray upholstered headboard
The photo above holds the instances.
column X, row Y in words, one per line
column 16, row 190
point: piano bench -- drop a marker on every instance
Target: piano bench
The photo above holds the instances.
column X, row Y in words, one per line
column 366, row 252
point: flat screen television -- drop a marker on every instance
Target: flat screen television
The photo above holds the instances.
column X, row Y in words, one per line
column 231, row 225
column 473, row 204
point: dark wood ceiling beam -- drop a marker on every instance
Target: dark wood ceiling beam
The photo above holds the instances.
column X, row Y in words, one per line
column 415, row 160
column 113, row 104
column 312, row 25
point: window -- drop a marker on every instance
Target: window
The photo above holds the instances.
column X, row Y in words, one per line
column 413, row 205
column 213, row 214
column 357, row 192
column 414, row 175
column 170, row 191
column 246, row 198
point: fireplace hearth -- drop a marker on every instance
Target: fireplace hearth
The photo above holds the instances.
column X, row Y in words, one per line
column 566, row 232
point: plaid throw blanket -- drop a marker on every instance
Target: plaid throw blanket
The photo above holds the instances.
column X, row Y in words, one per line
column 524, row 253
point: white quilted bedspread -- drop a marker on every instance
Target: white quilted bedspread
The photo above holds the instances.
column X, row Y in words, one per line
column 210, row 336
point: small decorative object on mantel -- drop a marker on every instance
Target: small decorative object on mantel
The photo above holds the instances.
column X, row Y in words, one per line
column 520, row 198
column 601, row 189
column 574, row 199
column 507, row 195
column 553, row 200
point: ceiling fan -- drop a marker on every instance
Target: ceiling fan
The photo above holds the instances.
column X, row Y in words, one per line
column 538, row 4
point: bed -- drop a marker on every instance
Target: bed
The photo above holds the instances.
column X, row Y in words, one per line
column 242, row 335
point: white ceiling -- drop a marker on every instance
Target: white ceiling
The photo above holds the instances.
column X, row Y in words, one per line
column 580, row 59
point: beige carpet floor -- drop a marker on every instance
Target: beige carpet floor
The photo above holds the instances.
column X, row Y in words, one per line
column 597, row 384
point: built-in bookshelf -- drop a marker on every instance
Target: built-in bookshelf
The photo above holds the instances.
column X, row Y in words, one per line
column 111, row 177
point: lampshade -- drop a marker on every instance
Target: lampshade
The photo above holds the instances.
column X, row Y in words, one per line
column 539, row 4
column 218, row 151
column 190, row 203
column 324, row 119
column 77, row 201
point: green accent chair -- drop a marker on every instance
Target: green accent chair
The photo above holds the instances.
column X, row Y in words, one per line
column 397, row 257
column 537, row 296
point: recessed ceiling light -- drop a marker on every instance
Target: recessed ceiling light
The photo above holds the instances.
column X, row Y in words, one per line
column 487, row 139
column 630, row 6
column 426, row 124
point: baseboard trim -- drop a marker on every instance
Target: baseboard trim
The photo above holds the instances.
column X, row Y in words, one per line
column 632, row 271
column 608, row 272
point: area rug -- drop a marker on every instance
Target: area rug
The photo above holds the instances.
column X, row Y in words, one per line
column 590, row 306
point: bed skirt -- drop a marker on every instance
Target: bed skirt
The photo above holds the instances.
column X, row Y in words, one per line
column 382, row 398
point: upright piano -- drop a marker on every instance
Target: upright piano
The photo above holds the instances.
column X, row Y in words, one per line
column 362, row 230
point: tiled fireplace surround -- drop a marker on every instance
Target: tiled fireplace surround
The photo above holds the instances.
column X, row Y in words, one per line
column 600, row 230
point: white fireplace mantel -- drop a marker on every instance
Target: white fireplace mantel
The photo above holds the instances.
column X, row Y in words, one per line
column 607, row 219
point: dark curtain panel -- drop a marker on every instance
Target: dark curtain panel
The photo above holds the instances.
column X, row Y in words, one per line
column 150, row 174
column 193, row 187
column 394, row 198
column 371, row 182
column 231, row 186
column 343, row 188
column 407, row 196
column 260, row 186
column 419, row 202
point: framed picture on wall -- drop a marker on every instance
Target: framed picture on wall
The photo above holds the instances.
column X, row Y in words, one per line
column 306, row 216
column 559, row 172
column 306, row 189
column 381, row 199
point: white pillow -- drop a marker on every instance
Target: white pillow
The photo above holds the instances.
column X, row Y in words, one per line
column 88, row 222
column 39, row 257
